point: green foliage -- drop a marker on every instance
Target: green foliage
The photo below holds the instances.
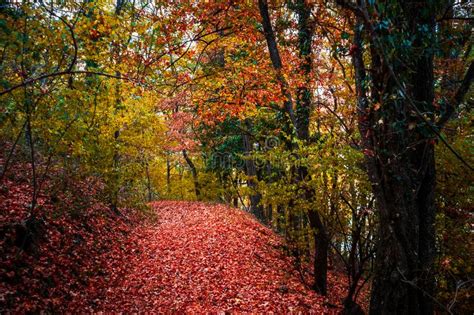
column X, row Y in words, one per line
column 454, row 221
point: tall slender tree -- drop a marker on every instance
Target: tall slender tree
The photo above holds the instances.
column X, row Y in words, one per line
column 299, row 120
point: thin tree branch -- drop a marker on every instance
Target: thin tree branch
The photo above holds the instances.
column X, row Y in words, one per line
column 458, row 97
column 61, row 73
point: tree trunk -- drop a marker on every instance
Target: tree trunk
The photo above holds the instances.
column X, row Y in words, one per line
column 197, row 188
column 321, row 247
column 115, row 175
column 405, row 248
column 300, row 122
column 400, row 163
column 303, row 110
column 116, row 156
column 148, row 181
column 280, row 220
column 168, row 174
column 256, row 207
column 269, row 214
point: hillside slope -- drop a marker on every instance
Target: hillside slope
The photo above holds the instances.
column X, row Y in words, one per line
column 192, row 257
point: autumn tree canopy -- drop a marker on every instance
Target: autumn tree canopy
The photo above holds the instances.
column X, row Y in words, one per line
column 343, row 127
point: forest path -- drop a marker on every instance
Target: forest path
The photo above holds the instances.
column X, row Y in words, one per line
column 208, row 258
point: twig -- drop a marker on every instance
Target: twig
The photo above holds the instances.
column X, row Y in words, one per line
column 413, row 284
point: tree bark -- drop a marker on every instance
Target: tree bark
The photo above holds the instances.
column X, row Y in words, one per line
column 399, row 153
column 300, row 122
column 168, row 174
column 256, row 207
column 116, row 156
column 197, row 188
column 148, row 181
column 276, row 59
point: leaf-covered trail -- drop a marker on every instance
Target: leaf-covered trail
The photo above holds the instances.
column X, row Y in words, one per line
column 201, row 257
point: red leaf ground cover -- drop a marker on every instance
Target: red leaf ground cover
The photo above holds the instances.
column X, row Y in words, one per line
column 190, row 257
column 75, row 246
column 200, row 257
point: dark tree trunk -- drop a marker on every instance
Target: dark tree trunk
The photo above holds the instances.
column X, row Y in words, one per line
column 303, row 111
column 269, row 214
column 400, row 162
column 256, row 208
column 116, row 170
column 321, row 247
column 276, row 59
column 405, row 248
column 116, row 156
column 300, row 121
column 168, row 174
column 305, row 41
column 280, row 220
column 270, row 178
column 148, row 181
column 192, row 167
